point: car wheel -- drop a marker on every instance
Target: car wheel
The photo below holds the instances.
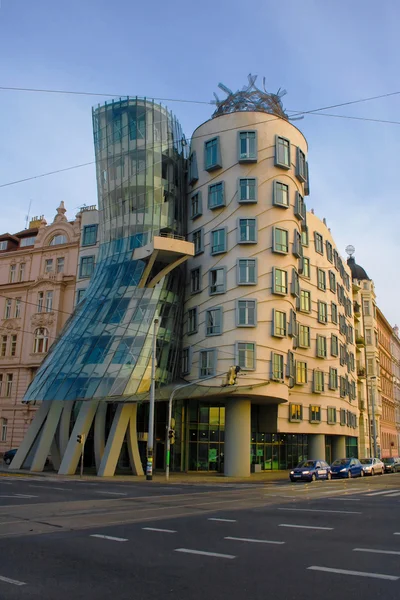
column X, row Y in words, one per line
column 329, row 477
column 362, row 473
column 313, row 477
column 372, row 472
column 349, row 475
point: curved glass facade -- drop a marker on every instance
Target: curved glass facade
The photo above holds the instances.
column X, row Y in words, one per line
column 105, row 349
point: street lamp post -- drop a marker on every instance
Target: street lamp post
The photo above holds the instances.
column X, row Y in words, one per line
column 373, row 418
column 150, row 438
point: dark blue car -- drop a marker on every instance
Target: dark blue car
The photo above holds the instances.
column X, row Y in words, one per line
column 347, row 467
column 310, row 470
column 9, row 455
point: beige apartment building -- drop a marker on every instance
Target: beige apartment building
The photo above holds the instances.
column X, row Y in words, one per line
column 396, row 379
column 38, row 268
column 388, row 430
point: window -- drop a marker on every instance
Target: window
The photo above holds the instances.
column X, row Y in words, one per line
column 368, row 336
column 304, row 336
column 41, row 340
column 80, row 294
column 3, row 245
column 212, row 155
column 280, row 240
column 301, row 166
column 319, row 243
column 247, row 146
column 218, row 241
column 58, row 239
column 86, row 267
column 279, row 281
column 186, row 361
column 3, row 346
column 331, row 411
column 28, row 241
column 247, row 191
column 117, row 128
column 334, row 345
column 297, row 247
column 49, row 301
column 292, row 328
column 322, row 312
column 218, row 281
column 321, row 278
column 277, row 366
column 246, row 313
column 40, row 302
column 247, row 231
column 329, row 251
column 334, row 313
column 281, row 194
column 304, row 237
column 315, row 413
column 279, row 328
column 332, row 281
column 12, row 274
column 306, row 267
column 367, row 308
column 342, row 416
column 318, row 381
column 4, row 424
column 305, row 301
column 214, row 321
column 196, row 206
column 193, row 170
column 89, row 235
column 301, row 372
column 197, row 239
column 48, row 265
column 60, row 264
column 246, row 271
column 13, row 345
column 295, row 412
column 295, row 285
column 216, row 196
column 300, row 207
column 21, row 271
column 321, row 346
column 1, row 384
column 192, row 320
column 343, row 387
column 195, row 280
column 7, row 311
column 208, row 361
column 17, row 309
column 9, row 384
column 246, row 352
column 282, row 152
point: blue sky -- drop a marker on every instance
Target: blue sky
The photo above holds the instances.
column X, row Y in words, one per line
column 322, row 52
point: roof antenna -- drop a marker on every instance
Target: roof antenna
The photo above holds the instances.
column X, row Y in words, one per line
column 27, row 216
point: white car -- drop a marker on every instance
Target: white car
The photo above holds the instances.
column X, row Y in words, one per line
column 372, row 466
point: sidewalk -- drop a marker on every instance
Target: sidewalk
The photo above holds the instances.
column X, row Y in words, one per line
column 175, row 478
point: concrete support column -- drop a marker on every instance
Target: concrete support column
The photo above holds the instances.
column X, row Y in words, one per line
column 83, row 424
column 316, row 446
column 114, row 441
column 47, row 436
column 133, row 447
column 237, row 438
column 100, row 433
column 30, row 436
column 338, row 446
column 65, row 424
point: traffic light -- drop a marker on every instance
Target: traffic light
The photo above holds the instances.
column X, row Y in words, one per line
column 232, row 375
column 171, row 436
column 80, row 438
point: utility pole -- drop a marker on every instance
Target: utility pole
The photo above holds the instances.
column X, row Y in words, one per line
column 150, row 438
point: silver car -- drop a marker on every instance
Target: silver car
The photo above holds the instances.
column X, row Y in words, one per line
column 372, row 466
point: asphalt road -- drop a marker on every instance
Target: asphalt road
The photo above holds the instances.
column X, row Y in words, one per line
column 62, row 539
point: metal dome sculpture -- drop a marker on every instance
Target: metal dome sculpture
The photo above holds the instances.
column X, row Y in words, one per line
column 250, row 99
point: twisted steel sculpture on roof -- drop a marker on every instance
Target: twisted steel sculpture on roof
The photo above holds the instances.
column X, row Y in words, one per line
column 250, row 98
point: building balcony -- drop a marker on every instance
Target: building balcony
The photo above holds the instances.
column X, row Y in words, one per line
column 360, row 341
column 361, row 372
column 164, row 253
column 357, row 309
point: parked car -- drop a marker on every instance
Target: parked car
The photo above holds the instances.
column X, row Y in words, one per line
column 310, row 470
column 392, row 464
column 372, row 466
column 9, row 455
column 347, row 467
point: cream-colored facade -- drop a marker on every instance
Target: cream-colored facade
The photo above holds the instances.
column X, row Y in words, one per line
column 388, row 430
column 267, row 289
column 88, row 249
column 396, row 378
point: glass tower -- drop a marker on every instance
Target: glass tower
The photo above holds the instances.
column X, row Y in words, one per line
column 104, row 351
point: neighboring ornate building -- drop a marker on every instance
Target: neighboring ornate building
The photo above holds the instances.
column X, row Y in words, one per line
column 88, row 250
column 37, row 287
column 396, row 378
column 388, row 431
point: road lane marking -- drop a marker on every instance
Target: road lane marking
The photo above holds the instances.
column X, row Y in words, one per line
column 255, row 541
column 393, row 495
column 397, row 533
column 13, row 581
column 157, row 529
column 203, row 553
column 357, row 573
column 113, row 493
column 17, row 496
column 222, row 520
column 51, row 487
column 109, row 537
column 373, row 551
column 320, row 510
column 381, row 493
column 305, row 527
column 345, row 499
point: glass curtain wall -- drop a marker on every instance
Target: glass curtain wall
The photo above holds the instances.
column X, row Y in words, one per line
column 105, row 348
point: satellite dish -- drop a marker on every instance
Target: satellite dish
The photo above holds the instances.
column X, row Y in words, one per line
column 350, row 250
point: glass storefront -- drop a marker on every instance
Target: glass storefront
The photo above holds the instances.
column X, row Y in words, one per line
column 351, row 447
column 206, row 429
column 278, row 450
